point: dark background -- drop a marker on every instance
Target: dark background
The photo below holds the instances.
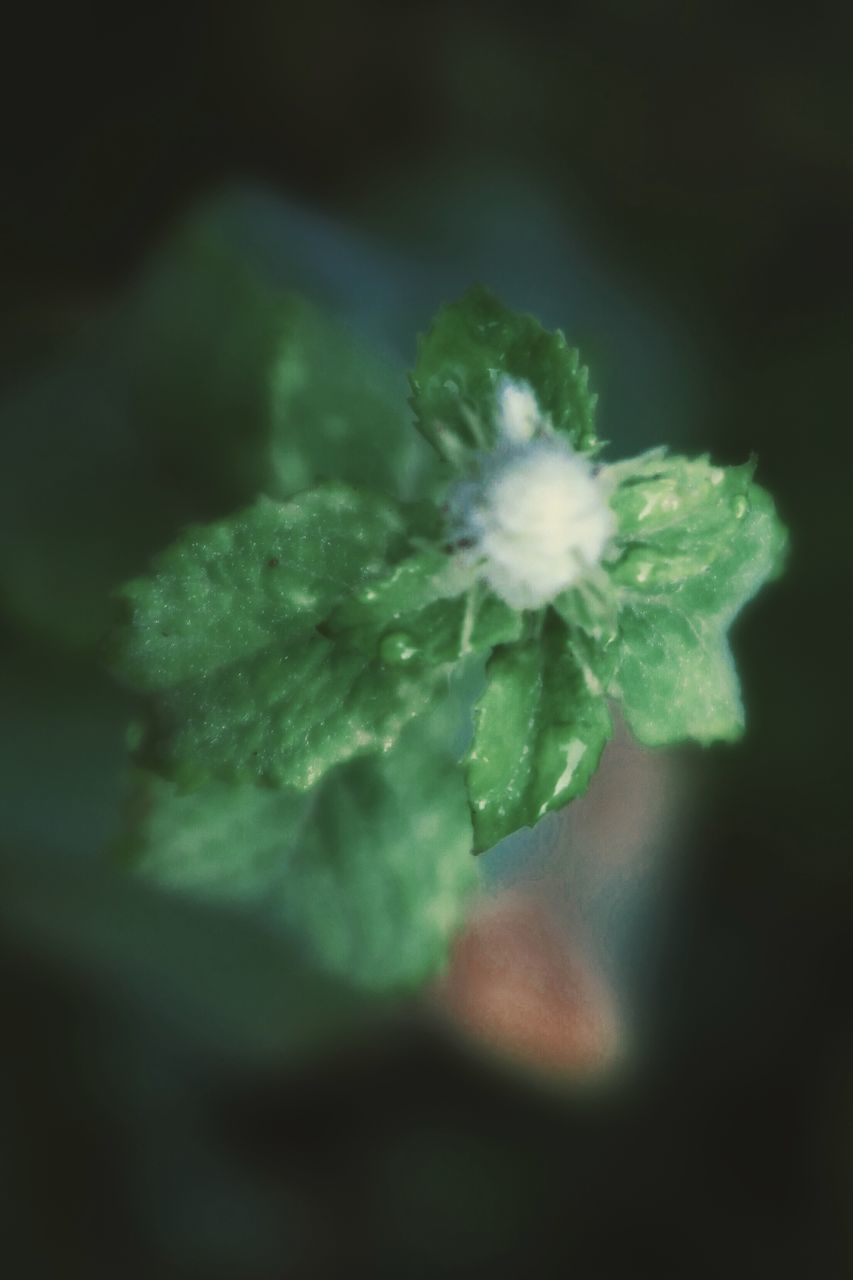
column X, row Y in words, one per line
column 706, row 151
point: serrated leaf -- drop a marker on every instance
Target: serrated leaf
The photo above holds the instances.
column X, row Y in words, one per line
column 224, row 635
column 706, row 533
column 427, row 609
column 227, row 591
column 371, row 870
column 749, row 555
column 701, row 541
column 540, row 728
column 472, row 347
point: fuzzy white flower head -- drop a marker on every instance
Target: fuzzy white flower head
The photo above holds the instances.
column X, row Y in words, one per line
column 536, row 519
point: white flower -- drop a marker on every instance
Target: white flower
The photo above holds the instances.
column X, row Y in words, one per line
column 536, row 519
column 518, row 416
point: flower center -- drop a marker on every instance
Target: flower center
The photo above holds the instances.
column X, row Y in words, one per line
column 536, row 518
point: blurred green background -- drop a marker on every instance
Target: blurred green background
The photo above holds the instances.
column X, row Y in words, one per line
column 673, row 185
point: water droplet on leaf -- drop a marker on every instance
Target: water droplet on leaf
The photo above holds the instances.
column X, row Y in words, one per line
column 397, row 648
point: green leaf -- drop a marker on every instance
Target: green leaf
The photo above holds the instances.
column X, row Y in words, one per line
column 371, row 870
column 706, row 533
column 661, row 494
column 701, row 540
column 474, row 345
column 427, row 609
column 228, row 591
column 284, row 716
column 591, row 608
column 540, row 728
column 224, row 634
column 747, row 556
column 676, row 677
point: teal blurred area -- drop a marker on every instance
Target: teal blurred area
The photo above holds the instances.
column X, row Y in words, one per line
column 672, row 185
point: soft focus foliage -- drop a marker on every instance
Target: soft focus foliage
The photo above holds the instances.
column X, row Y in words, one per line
column 291, row 638
column 370, row 871
column 672, row 185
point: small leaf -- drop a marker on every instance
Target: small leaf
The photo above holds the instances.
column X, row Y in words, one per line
column 371, row 871
column 428, row 609
column 706, row 533
column 224, row 633
column 750, row 554
column 540, row 728
column 701, row 541
column 473, row 347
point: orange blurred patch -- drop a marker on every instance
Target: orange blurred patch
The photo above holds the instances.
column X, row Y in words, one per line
column 519, row 984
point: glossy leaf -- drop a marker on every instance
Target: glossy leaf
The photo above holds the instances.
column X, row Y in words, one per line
column 428, row 609
column 224, row 635
column 283, row 716
column 540, row 728
column 474, row 346
column 701, row 542
column 706, row 533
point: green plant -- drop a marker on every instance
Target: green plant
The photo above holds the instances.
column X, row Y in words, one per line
column 309, row 663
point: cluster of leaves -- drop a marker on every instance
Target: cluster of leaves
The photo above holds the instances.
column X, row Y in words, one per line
column 200, row 387
column 293, row 654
